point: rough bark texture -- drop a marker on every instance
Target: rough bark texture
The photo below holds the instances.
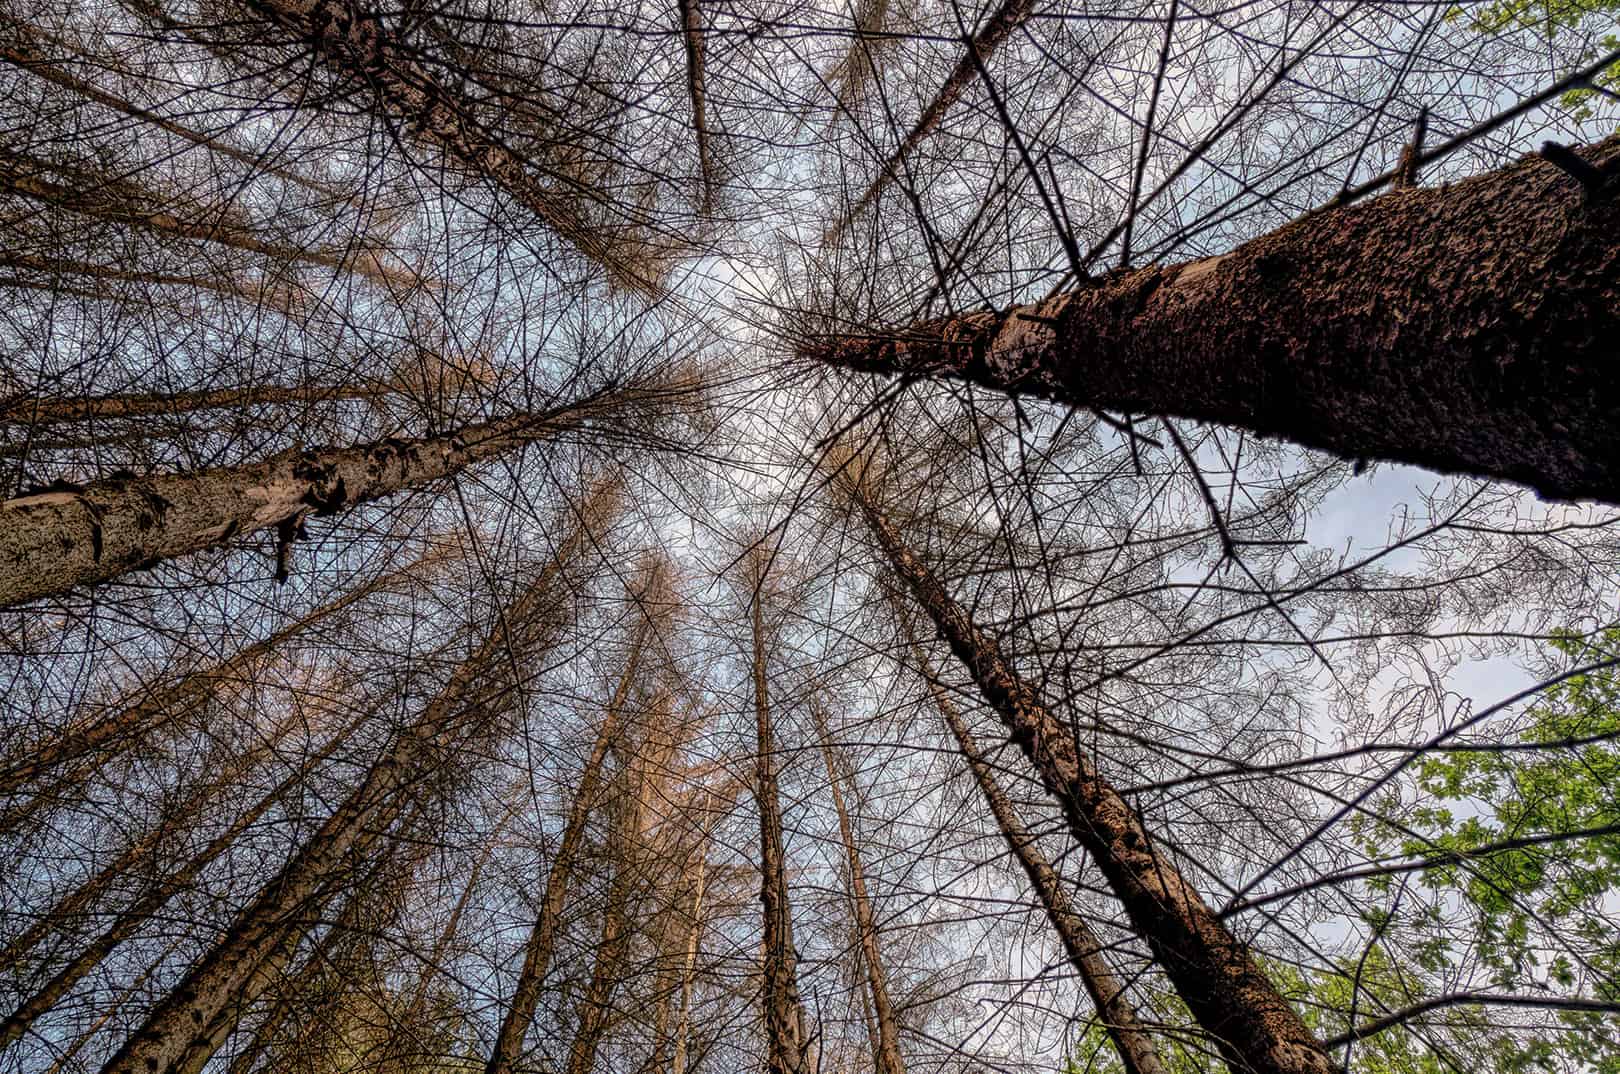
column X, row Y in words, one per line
column 1131, row 1038
column 183, row 1031
column 1232, row 1000
column 354, row 43
column 886, row 1056
column 538, row 950
column 784, row 1015
column 1470, row 329
column 149, row 708
column 69, row 535
column 51, row 410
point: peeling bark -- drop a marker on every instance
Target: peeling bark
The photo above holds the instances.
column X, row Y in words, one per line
column 184, row 1029
column 1254, row 1027
column 70, row 535
column 1469, row 329
column 1115, row 1013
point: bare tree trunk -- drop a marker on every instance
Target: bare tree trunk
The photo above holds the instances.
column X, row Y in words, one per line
column 258, row 293
column 72, row 535
column 1251, row 1023
column 692, row 38
column 51, row 410
column 697, row 884
column 1131, row 1038
column 181, row 1034
column 142, row 910
column 784, row 1014
column 886, row 1056
column 538, row 950
column 1008, row 17
column 149, row 707
column 122, row 201
column 353, row 43
column 1469, row 329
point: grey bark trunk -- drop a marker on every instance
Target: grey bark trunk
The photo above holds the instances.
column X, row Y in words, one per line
column 1469, row 329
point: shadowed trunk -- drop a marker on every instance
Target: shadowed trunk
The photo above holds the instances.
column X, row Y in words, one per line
column 71, row 535
column 127, row 726
column 789, row 1050
column 1131, row 1038
column 886, row 1051
column 51, row 410
column 182, row 1032
column 541, row 944
column 692, row 38
column 1470, row 329
column 1245, row 1016
column 142, row 910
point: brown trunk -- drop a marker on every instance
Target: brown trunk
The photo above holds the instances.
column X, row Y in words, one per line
column 1008, row 17
column 1469, row 329
column 123, row 201
column 181, row 1034
column 538, row 950
column 354, row 43
column 886, row 1055
column 784, row 1015
column 128, row 725
column 1245, row 1016
column 71, row 535
column 692, row 38
column 281, row 298
column 1114, row 1010
column 141, row 911
column 50, row 410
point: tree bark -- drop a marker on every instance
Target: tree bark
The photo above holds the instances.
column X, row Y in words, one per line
column 143, row 908
column 182, row 1032
column 71, row 535
column 538, row 950
column 353, row 43
column 1254, row 1027
column 692, row 39
column 1469, row 329
column 784, row 1015
column 886, row 1057
column 53, row 410
column 1131, row 1038
column 147, row 708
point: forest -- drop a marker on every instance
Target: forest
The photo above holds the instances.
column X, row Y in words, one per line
column 810, row 537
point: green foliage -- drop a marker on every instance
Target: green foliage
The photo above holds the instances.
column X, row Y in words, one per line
column 1549, row 17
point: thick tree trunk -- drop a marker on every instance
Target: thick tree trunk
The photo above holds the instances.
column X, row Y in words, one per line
column 354, row 44
column 52, row 410
column 538, row 950
column 71, row 535
column 143, row 908
column 1246, row 1017
column 886, row 1056
column 1114, row 1010
column 149, row 708
column 1470, row 329
column 181, row 1034
column 784, row 1015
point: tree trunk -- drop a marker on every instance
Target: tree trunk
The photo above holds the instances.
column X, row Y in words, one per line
column 1007, row 18
column 142, row 909
column 538, row 950
column 122, row 201
column 355, row 45
column 1246, row 1017
column 692, row 38
column 129, row 724
column 181, row 1034
column 1114, row 1010
column 886, row 1056
column 784, row 1015
column 52, row 410
column 279, row 297
column 72, row 535
column 1470, row 329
